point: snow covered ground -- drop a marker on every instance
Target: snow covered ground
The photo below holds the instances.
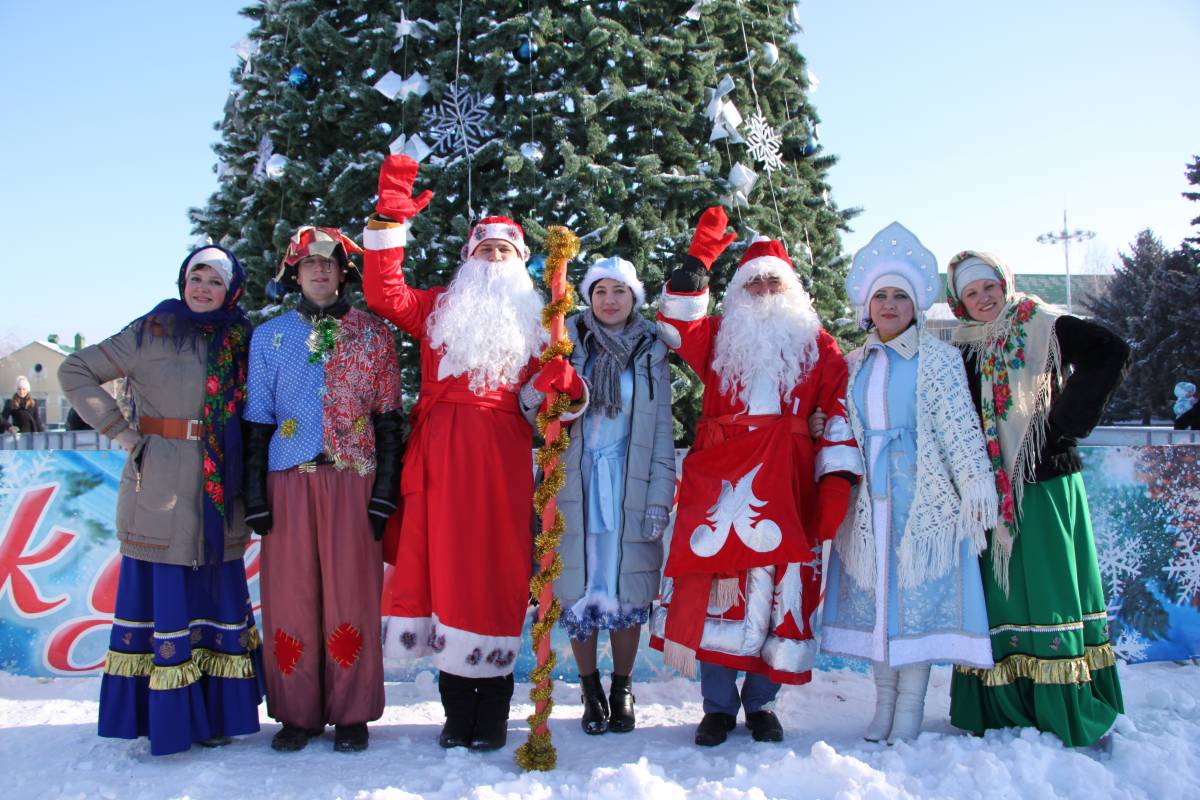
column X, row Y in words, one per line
column 48, row 749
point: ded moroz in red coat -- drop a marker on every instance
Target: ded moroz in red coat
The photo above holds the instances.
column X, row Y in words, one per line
column 460, row 586
column 748, row 512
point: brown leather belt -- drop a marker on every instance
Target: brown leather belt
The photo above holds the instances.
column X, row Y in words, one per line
column 190, row 429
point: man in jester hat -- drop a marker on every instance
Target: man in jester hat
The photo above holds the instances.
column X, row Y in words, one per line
column 758, row 495
column 323, row 430
column 460, row 588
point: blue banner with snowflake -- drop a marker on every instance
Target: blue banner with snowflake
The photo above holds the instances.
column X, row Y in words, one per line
column 59, row 563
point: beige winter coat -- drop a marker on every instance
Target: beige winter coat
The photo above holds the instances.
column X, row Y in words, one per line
column 159, row 505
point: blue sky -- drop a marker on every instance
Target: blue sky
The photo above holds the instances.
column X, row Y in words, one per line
column 974, row 124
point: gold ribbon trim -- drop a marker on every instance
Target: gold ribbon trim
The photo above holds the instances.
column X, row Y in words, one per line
column 203, row 662
column 1045, row 671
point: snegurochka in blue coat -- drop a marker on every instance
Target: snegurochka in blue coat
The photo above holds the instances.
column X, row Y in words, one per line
column 620, row 481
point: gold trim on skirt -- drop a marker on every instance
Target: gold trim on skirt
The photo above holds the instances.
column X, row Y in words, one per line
column 1045, row 671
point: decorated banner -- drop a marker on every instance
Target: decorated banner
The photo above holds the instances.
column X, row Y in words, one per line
column 59, row 560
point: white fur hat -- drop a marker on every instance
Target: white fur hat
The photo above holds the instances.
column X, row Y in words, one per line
column 618, row 269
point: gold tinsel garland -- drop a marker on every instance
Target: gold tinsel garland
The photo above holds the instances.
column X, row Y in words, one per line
column 538, row 752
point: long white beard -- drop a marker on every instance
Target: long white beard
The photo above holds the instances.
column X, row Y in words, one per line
column 769, row 337
column 488, row 324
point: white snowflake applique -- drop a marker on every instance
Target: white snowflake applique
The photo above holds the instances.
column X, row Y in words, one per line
column 735, row 509
column 457, row 122
column 277, row 341
column 764, row 143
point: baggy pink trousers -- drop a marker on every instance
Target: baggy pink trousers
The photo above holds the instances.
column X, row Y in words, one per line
column 321, row 579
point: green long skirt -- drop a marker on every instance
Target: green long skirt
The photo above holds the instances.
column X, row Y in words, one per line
column 1055, row 669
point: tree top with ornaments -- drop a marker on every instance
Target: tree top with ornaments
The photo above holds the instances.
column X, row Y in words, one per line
column 619, row 120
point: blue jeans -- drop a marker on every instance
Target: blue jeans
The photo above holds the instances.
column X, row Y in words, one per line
column 718, row 686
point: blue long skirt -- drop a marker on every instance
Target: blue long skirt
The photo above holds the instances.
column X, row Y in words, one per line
column 184, row 663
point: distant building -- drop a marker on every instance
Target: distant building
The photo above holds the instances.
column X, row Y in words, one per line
column 1051, row 288
column 39, row 362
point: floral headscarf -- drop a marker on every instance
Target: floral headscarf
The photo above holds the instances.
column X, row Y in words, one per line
column 1019, row 363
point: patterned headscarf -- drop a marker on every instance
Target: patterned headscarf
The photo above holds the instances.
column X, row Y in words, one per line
column 227, row 332
column 1019, row 363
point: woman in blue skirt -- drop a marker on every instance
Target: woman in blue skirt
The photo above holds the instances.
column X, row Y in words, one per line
column 183, row 659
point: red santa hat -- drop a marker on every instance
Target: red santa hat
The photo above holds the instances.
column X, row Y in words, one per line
column 764, row 256
column 503, row 228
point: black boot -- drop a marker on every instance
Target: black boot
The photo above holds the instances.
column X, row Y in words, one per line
column 714, row 728
column 620, row 704
column 764, row 726
column 460, row 701
column 595, row 707
column 291, row 738
column 350, row 738
column 491, row 719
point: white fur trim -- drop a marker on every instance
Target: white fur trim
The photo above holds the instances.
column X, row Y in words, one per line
column 504, row 231
column 838, row 458
column 764, row 264
column 789, row 655
column 461, row 652
column 669, row 335
column 385, row 238
column 685, row 307
column 617, row 269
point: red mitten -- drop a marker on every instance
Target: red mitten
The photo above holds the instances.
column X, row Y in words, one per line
column 833, row 499
column 396, row 186
column 558, row 375
column 709, row 240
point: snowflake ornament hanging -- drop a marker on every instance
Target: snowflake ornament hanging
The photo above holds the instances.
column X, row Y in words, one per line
column 764, row 143
column 457, row 123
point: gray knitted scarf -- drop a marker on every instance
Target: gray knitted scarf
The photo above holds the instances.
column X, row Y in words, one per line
column 609, row 360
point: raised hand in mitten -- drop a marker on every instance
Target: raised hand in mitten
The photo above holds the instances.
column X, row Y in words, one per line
column 710, row 239
column 558, row 375
column 396, row 178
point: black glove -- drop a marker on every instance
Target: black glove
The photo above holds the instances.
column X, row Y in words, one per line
column 256, row 442
column 385, row 493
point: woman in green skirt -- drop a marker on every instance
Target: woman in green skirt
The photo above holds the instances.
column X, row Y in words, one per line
column 1040, row 381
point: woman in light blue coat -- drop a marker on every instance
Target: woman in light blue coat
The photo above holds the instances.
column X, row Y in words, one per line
column 904, row 588
column 620, row 483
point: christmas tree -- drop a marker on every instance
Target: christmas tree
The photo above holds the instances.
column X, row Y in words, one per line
column 620, row 120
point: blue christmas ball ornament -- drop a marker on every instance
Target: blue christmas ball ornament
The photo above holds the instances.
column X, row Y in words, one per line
column 526, row 51
column 537, row 266
column 297, row 76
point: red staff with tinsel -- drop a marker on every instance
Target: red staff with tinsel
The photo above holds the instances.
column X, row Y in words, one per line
column 538, row 751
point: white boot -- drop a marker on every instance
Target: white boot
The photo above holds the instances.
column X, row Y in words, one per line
column 885, row 702
column 910, row 703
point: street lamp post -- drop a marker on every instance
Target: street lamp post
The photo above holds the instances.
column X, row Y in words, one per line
column 1066, row 236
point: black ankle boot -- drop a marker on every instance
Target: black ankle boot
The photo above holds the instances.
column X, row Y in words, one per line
column 620, row 704
column 491, row 717
column 459, row 701
column 595, row 707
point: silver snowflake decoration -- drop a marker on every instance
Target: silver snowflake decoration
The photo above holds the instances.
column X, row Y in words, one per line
column 457, row 123
column 1130, row 647
column 764, row 142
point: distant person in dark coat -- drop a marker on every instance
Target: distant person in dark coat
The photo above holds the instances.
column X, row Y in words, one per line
column 21, row 411
column 1187, row 410
column 76, row 422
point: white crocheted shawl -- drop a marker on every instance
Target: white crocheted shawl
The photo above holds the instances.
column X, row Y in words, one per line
column 955, row 496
